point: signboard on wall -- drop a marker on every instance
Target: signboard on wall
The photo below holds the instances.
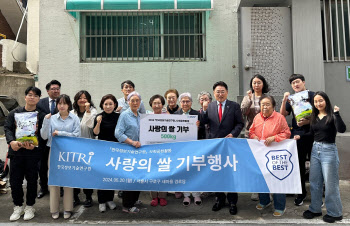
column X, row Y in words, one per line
column 348, row 73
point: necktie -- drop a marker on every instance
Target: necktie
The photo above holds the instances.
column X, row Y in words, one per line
column 220, row 112
column 53, row 106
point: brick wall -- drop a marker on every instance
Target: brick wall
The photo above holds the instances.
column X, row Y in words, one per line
column 5, row 28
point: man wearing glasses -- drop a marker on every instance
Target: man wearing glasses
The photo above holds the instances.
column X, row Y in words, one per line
column 225, row 121
column 47, row 105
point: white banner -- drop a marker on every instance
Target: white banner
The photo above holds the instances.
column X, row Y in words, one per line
column 166, row 128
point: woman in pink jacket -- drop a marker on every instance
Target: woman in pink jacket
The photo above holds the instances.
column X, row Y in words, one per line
column 270, row 126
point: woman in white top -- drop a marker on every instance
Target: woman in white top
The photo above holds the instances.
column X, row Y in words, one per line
column 86, row 111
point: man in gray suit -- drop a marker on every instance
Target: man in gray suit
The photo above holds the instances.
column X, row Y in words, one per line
column 225, row 121
column 47, row 105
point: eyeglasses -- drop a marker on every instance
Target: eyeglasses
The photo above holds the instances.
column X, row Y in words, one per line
column 55, row 89
column 185, row 102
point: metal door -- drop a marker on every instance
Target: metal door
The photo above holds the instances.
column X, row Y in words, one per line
column 266, row 47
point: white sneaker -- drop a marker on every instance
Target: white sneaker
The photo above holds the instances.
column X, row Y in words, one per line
column 255, row 197
column 111, row 205
column 18, row 211
column 102, row 207
column 28, row 213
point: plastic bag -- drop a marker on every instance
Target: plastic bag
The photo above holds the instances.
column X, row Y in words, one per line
column 26, row 127
column 301, row 105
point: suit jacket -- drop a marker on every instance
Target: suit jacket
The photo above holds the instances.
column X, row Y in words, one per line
column 43, row 106
column 194, row 112
column 231, row 122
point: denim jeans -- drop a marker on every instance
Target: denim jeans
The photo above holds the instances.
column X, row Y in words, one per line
column 279, row 200
column 324, row 167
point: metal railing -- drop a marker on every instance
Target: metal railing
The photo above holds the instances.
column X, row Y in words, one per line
column 336, row 30
column 146, row 36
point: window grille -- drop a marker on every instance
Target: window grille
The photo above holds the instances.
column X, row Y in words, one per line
column 336, row 26
column 146, row 36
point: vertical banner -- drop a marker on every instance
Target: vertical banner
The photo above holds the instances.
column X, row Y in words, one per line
column 166, row 128
column 216, row 165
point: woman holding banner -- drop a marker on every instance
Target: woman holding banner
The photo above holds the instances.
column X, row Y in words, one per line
column 128, row 131
column 104, row 126
column 186, row 109
column 250, row 106
column 64, row 123
column 270, row 126
column 157, row 102
column 324, row 165
column 86, row 111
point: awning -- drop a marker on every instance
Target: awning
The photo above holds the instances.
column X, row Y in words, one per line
column 138, row 5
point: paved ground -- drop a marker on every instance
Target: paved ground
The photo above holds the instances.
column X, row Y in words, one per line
column 175, row 213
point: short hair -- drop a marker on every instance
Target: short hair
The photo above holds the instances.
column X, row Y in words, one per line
column 296, row 76
column 171, row 91
column 34, row 89
column 265, row 88
column 204, row 93
column 133, row 94
column 157, row 96
column 77, row 96
column 187, row 94
column 129, row 83
column 66, row 100
column 53, row 82
column 270, row 98
column 220, row 83
column 110, row 97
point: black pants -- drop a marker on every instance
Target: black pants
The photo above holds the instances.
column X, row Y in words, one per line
column 304, row 148
column 104, row 196
column 87, row 192
column 20, row 167
column 232, row 198
column 43, row 169
column 129, row 198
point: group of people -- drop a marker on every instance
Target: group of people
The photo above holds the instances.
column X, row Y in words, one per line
column 119, row 121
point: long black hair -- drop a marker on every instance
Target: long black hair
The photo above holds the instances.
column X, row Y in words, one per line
column 77, row 96
column 265, row 88
column 328, row 108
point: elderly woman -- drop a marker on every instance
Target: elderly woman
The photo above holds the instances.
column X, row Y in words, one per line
column 127, row 131
column 171, row 96
column 186, row 109
column 157, row 102
column 270, row 126
column 204, row 96
column 250, row 106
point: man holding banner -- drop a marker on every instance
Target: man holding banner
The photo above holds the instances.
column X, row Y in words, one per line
column 225, row 121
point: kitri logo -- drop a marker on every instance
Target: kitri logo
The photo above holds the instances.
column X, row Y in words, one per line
column 75, row 157
column 279, row 163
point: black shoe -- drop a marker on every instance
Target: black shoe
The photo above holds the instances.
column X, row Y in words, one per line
column 217, row 206
column 330, row 219
column 61, row 192
column 233, row 209
column 87, row 203
column 76, row 202
column 42, row 193
column 299, row 200
column 309, row 215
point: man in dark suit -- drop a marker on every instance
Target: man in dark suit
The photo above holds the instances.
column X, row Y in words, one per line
column 225, row 121
column 47, row 105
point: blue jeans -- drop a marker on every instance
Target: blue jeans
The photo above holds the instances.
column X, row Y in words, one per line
column 279, row 200
column 324, row 167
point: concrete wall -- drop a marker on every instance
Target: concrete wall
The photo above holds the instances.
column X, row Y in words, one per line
column 15, row 85
column 307, row 42
column 59, row 59
column 338, row 88
column 10, row 55
column 33, row 36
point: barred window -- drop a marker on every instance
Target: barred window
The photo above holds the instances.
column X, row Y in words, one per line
column 146, row 36
column 335, row 27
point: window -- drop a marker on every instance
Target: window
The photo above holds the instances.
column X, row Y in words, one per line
column 151, row 36
column 335, row 29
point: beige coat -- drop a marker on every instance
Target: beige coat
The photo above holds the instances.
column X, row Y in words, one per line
column 248, row 111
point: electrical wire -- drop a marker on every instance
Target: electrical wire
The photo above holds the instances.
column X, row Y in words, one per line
column 19, row 30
